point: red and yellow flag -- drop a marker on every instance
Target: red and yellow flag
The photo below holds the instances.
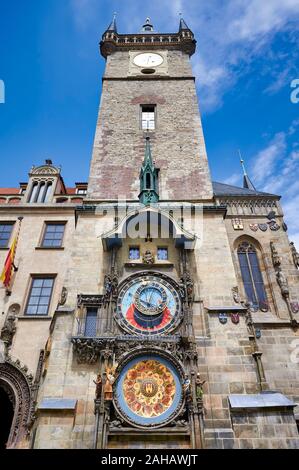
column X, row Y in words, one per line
column 6, row 275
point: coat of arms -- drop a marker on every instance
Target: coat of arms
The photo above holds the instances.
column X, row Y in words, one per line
column 254, row 227
column 273, row 225
column 263, row 227
column 235, row 318
column 295, row 307
column 222, row 318
column 237, row 224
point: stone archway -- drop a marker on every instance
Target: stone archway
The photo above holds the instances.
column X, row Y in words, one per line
column 16, row 388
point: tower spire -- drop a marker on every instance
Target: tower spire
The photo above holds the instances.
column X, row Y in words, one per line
column 113, row 26
column 183, row 24
column 148, row 177
column 148, row 26
column 247, row 183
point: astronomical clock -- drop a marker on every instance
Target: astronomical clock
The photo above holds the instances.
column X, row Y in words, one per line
column 148, row 305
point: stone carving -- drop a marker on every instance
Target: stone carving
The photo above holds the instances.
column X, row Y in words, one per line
column 63, row 297
column 236, row 295
column 222, row 318
column 148, row 257
column 110, row 380
column 254, row 227
column 186, row 385
column 199, row 383
column 295, row 254
column 237, row 224
column 263, row 227
column 8, row 331
column 99, row 385
column 87, row 351
column 283, row 283
column 235, row 317
column 17, row 383
column 295, row 307
column 188, row 286
column 276, row 260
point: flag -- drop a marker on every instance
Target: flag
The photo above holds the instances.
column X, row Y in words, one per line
column 9, row 262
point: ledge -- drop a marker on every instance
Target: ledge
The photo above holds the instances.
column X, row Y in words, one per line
column 34, row 317
column 49, row 248
column 148, row 266
column 58, row 404
column 234, row 308
column 260, row 401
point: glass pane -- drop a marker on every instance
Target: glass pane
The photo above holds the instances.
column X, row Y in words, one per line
column 57, row 236
column 46, row 291
column 134, row 253
column 3, row 242
column 42, row 310
column 37, row 282
column 48, row 282
column 31, row 310
column 51, row 228
column 44, row 300
column 257, row 277
column 162, row 254
column 35, row 291
column 60, row 228
column 56, row 243
column 33, row 301
column 91, row 323
column 246, row 276
column 47, row 243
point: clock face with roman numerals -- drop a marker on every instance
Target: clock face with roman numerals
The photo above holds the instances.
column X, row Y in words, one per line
column 149, row 305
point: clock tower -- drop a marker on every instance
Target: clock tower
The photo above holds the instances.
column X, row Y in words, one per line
column 149, row 90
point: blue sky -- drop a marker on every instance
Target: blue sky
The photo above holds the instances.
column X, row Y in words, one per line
column 246, row 58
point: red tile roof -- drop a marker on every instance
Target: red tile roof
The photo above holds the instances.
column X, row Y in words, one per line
column 9, row 191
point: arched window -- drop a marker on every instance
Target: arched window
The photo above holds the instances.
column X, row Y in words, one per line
column 251, row 274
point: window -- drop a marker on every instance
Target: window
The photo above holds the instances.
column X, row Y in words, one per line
column 40, row 192
column 40, row 296
column 81, row 191
column 134, row 253
column 91, row 322
column 5, row 233
column 162, row 254
column 53, row 235
column 251, row 275
column 148, row 118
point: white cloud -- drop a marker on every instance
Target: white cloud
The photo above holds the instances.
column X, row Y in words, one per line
column 234, row 179
column 267, row 158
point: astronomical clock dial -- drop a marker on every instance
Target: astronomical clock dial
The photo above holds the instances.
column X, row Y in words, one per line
column 148, row 305
column 148, row 59
column 148, row 391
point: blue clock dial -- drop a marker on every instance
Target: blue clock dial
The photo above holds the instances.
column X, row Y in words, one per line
column 148, row 305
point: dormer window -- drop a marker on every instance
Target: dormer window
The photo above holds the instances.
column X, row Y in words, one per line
column 40, row 192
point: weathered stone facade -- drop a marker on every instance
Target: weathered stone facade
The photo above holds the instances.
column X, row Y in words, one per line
column 234, row 363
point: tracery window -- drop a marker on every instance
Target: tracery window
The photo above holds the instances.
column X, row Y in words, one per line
column 252, row 275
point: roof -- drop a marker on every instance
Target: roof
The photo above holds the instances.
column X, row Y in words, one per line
column 9, row 191
column 221, row 189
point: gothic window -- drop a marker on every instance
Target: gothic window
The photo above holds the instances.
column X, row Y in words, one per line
column 40, row 296
column 134, row 253
column 5, row 233
column 53, row 235
column 40, row 192
column 162, row 254
column 91, row 322
column 251, row 274
column 148, row 117
column 148, row 183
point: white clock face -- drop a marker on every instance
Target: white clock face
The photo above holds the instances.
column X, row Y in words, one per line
column 148, row 59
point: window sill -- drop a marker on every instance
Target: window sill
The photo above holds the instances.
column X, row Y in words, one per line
column 51, row 248
column 4, row 249
column 34, row 317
